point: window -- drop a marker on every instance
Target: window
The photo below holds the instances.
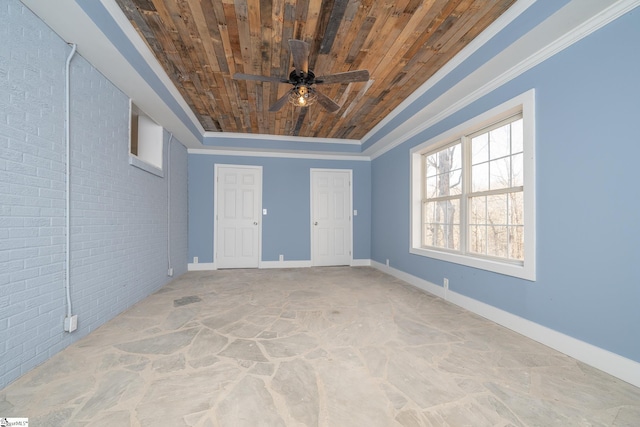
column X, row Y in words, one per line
column 146, row 142
column 473, row 192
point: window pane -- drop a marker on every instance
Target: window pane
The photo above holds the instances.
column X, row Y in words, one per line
column 432, row 187
column 434, row 235
column 431, row 165
column 427, row 213
column 443, row 185
column 441, row 224
column 451, row 220
column 517, row 135
column 478, row 239
column 500, row 142
column 452, row 228
column 445, row 159
column 456, row 157
column 516, row 242
column 427, row 235
column 497, row 209
column 516, row 208
column 517, row 172
column 478, row 214
column 453, row 211
column 480, row 149
column 443, row 172
column 455, row 182
column 456, row 237
column 497, row 238
column 499, row 174
column 480, row 177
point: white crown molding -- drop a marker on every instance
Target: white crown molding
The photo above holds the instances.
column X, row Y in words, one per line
column 569, row 25
column 280, row 154
column 279, row 138
column 620, row 367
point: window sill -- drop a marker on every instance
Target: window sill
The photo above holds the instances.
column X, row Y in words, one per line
column 522, row 271
column 135, row 161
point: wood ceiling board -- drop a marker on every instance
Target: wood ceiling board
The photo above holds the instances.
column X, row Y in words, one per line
column 201, row 44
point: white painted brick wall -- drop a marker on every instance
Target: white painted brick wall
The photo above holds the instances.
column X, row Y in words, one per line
column 119, row 212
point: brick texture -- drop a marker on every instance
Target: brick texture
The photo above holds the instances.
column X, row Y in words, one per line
column 119, row 213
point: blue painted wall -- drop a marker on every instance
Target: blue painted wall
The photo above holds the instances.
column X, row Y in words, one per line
column 286, row 196
column 588, row 200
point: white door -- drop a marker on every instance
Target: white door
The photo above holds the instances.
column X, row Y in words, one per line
column 238, row 214
column 330, row 217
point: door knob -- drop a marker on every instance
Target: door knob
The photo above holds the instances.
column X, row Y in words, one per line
column 255, row 223
column 315, row 223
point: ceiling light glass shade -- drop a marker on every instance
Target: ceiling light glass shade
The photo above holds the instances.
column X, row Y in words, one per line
column 301, row 96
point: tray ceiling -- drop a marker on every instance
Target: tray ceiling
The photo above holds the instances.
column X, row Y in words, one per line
column 202, row 43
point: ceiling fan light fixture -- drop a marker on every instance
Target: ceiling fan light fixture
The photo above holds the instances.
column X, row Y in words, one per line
column 303, row 80
column 301, row 96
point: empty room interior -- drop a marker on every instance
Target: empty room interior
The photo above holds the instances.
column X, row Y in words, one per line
column 320, row 212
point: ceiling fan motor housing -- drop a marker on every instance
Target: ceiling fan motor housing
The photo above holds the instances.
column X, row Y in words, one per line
column 304, row 79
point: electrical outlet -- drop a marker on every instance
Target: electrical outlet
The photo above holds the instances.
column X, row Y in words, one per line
column 281, row 257
column 170, row 272
column 195, row 259
column 71, row 323
column 446, row 283
column 387, row 262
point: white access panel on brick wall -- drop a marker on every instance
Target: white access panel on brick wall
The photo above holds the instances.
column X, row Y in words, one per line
column 237, row 210
column 150, row 140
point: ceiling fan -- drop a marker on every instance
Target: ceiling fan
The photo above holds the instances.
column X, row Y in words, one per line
column 302, row 94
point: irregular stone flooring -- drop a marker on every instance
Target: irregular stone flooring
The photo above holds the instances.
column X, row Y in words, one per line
column 311, row 347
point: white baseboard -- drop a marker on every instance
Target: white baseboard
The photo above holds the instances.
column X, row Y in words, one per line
column 206, row 266
column 201, row 266
column 308, row 263
column 412, row 280
column 285, row 264
column 620, row 367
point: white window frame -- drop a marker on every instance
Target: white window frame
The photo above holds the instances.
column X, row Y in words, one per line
column 150, row 142
column 524, row 103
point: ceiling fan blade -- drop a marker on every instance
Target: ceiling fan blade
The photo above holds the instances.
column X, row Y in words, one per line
column 280, row 102
column 347, row 77
column 326, row 102
column 241, row 76
column 300, row 53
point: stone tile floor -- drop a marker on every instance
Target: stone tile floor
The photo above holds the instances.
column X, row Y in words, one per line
column 311, row 347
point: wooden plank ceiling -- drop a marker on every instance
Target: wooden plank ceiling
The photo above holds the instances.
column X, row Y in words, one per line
column 202, row 43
